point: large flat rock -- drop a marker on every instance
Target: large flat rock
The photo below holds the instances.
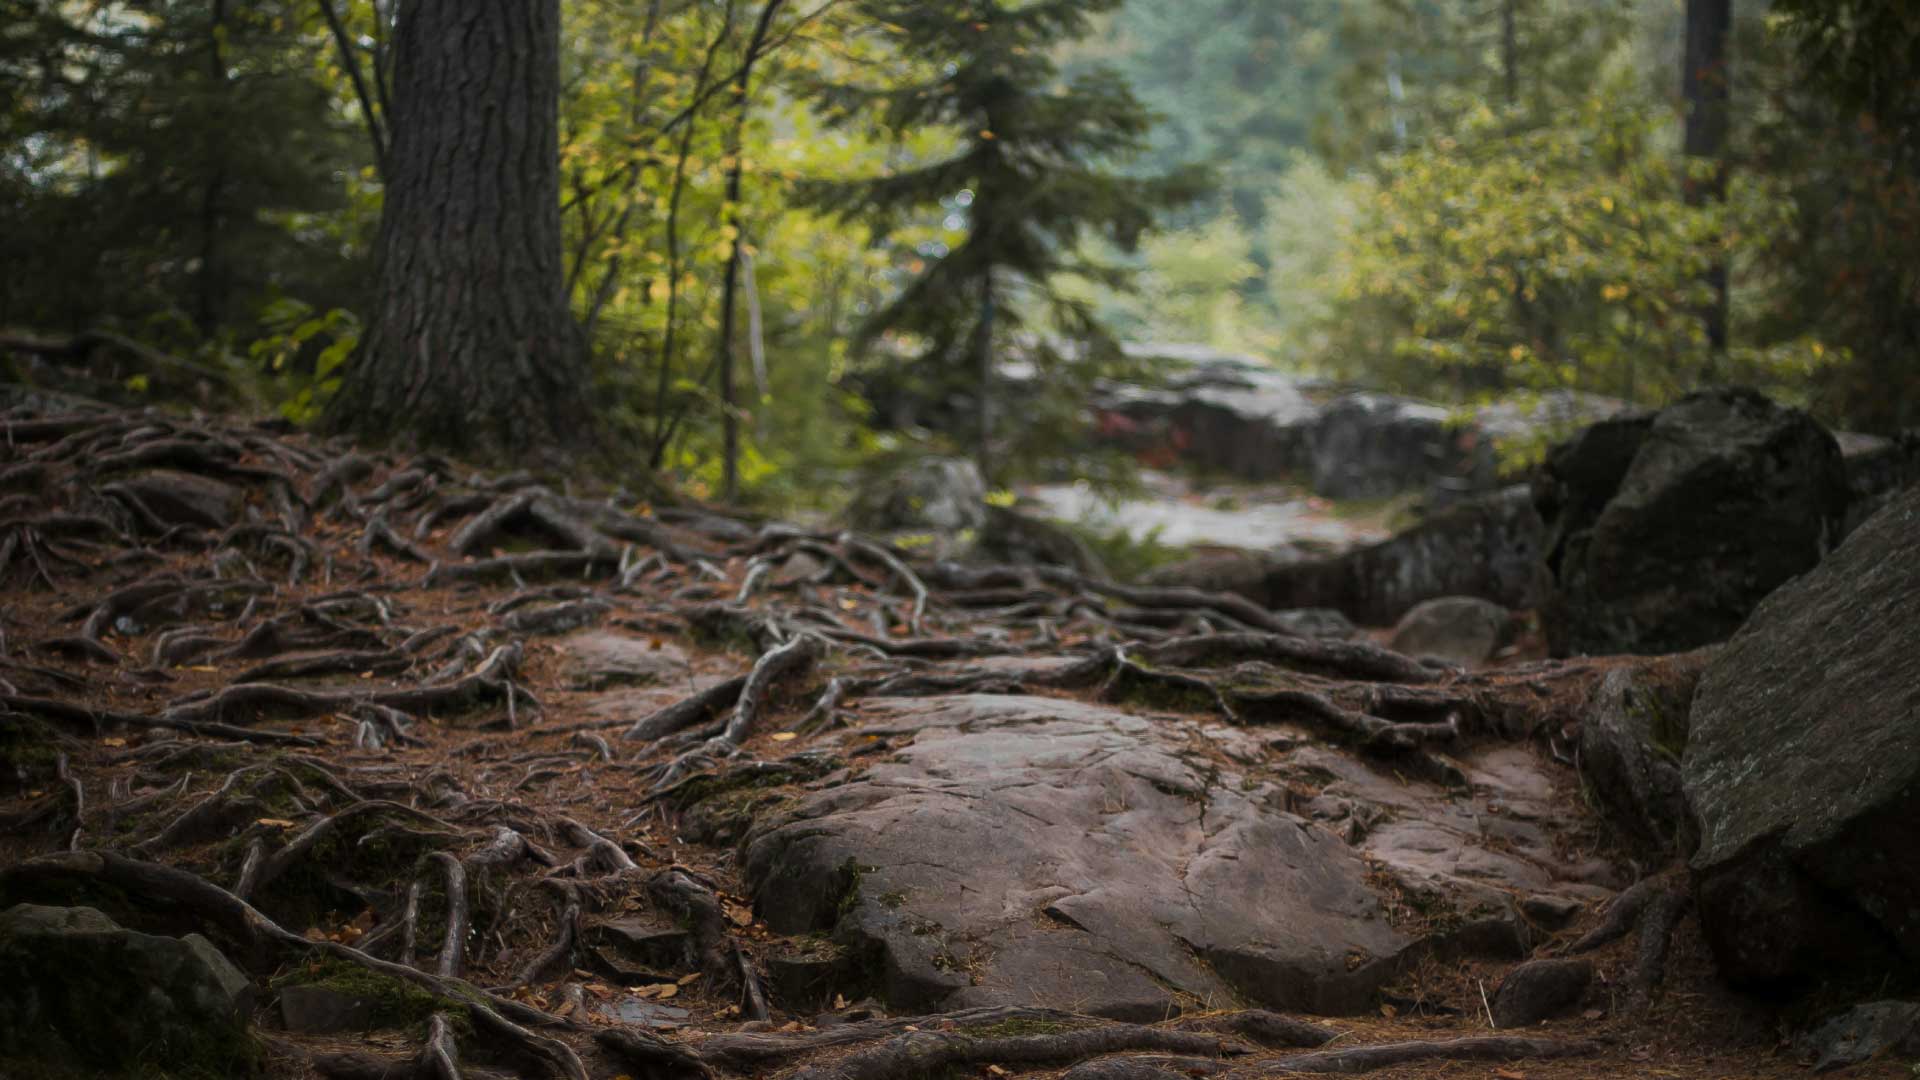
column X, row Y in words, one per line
column 1025, row 850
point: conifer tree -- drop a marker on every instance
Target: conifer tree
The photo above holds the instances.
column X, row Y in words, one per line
column 1035, row 173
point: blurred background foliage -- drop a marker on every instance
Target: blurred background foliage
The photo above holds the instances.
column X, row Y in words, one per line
column 1454, row 198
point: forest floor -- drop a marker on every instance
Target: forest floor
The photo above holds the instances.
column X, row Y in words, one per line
column 441, row 740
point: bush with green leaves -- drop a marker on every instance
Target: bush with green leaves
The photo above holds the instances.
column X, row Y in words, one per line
column 1505, row 254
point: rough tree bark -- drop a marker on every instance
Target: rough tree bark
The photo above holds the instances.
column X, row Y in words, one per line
column 471, row 348
column 1704, row 83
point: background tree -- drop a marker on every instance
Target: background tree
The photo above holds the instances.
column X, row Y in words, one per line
column 167, row 171
column 1841, row 132
column 1031, row 173
column 1705, row 85
column 470, row 346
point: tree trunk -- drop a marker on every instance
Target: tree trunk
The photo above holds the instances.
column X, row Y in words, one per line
column 1704, row 84
column 736, row 149
column 210, row 305
column 471, row 348
column 983, row 361
column 1510, row 51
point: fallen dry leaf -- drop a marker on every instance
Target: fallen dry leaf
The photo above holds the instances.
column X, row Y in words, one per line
column 275, row 823
column 784, row 736
column 689, row 980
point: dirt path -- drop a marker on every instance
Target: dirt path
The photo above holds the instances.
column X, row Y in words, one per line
column 576, row 787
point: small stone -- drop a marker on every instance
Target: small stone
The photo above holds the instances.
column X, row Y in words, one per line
column 1462, row 629
column 1539, row 989
column 1551, row 912
column 600, row 660
column 1863, row 1032
column 642, row 942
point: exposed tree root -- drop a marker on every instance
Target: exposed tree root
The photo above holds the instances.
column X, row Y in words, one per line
column 1363, row 1059
column 1261, row 1028
column 922, row 1052
column 244, row 924
column 1621, row 916
column 205, row 647
column 650, row 1054
column 1145, row 1067
column 1657, row 923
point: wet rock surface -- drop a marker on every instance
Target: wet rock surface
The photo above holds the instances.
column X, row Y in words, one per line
column 1035, row 851
column 1803, row 766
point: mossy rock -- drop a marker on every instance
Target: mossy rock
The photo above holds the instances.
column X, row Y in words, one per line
column 389, row 1002
column 85, row 996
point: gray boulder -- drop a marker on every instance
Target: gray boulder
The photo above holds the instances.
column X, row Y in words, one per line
column 1217, row 411
column 932, row 494
column 80, row 990
column 1632, row 735
column 1462, row 629
column 1803, row 767
column 1664, row 532
column 1487, row 547
column 1369, row 446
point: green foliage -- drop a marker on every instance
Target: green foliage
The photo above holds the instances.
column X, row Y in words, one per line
column 1127, row 557
column 1403, row 199
column 303, row 351
column 167, row 169
column 1837, row 131
column 1028, row 180
column 1506, row 255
